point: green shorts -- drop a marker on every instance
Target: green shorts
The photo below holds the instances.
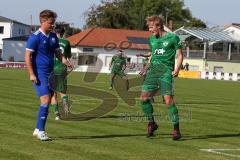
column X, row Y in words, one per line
column 119, row 73
column 158, row 81
column 60, row 72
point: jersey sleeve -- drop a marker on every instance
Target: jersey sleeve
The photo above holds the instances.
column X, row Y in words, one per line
column 56, row 45
column 177, row 43
column 32, row 43
column 68, row 50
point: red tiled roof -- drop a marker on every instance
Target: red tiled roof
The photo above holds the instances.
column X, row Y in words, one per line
column 100, row 37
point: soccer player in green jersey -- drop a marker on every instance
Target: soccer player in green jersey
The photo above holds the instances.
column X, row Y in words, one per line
column 117, row 66
column 163, row 46
column 59, row 68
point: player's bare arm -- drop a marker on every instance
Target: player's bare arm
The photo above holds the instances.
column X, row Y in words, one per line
column 61, row 57
column 124, row 66
column 110, row 65
column 179, row 63
column 148, row 54
column 28, row 62
column 145, row 68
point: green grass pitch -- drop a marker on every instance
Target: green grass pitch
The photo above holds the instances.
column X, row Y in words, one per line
column 210, row 120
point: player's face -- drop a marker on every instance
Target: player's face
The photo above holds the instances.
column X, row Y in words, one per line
column 153, row 28
column 48, row 25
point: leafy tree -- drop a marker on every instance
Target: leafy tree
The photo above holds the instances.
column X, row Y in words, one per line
column 131, row 14
column 68, row 29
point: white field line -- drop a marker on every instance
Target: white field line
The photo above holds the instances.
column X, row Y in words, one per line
column 220, row 151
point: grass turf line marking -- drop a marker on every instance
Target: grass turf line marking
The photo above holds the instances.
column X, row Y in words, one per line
column 220, row 151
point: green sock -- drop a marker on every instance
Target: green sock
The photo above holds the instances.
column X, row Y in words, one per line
column 148, row 110
column 111, row 83
column 127, row 85
column 65, row 98
column 54, row 107
column 173, row 114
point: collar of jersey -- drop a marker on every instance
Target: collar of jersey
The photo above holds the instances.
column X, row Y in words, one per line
column 43, row 32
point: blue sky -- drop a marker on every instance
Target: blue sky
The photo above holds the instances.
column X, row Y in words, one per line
column 212, row 12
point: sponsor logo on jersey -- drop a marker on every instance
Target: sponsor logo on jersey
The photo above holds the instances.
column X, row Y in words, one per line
column 159, row 51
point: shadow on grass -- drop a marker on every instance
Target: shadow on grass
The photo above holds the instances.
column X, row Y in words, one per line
column 72, row 117
column 109, row 136
column 199, row 137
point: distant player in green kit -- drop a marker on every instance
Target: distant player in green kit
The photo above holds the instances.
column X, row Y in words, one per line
column 159, row 77
column 59, row 68
column 117, row 66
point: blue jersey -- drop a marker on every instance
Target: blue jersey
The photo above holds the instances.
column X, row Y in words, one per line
column 43, row 48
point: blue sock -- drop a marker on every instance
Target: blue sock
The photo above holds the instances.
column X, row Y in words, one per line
column 42, row 117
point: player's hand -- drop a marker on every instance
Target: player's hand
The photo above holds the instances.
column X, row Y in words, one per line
column 175, row 73
column 142, row 72
column 70, row 66
column 33, row 78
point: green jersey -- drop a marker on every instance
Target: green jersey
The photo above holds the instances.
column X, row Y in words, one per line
column 66, row 50
column 118, row 63
column 163, row 50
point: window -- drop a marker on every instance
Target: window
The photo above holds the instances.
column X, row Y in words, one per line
column 218, row 47
column 218, row 69
column 23, row 31
column 87, row 60
column 193, row 68
column 87, row 49
column 1, row 29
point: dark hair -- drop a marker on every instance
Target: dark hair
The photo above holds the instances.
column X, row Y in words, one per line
column 59, row 29
column 46, row 14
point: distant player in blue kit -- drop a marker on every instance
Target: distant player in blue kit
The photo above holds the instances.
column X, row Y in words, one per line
column 41, row 48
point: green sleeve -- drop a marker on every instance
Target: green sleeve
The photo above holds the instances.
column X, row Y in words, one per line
column 177, row 43
column 68, row 50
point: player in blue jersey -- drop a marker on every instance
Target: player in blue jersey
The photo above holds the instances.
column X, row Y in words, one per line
column 41, row 48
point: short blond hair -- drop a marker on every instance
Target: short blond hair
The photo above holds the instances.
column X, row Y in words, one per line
column 157, row 19
column 46, row 14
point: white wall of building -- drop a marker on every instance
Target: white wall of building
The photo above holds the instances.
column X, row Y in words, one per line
column 12, row 29
column 235, row 32
column 104, row 58
column 6, row 32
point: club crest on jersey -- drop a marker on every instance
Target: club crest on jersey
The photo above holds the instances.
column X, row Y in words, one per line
column 165, row 44
column 53, row 40
column 159, row 51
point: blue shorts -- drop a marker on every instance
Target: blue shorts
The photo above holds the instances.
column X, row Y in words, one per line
column 42, row 87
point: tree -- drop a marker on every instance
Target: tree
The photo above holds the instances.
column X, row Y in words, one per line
column 194, row 22
column 68, row 29
column 131, row 14
column 110, row 14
